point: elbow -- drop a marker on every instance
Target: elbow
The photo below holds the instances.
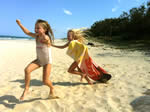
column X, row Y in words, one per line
column 63, row 47
column 27, row 33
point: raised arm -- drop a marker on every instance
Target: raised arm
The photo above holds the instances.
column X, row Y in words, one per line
column 25, row 30
column 63, row 46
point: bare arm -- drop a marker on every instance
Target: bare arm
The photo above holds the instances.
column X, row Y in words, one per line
column 63, row 46
column 25, row 30
column 45, row 39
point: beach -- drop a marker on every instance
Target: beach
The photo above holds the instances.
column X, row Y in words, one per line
column 127, row 91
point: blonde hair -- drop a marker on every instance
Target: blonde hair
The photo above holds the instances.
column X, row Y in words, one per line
column 78, row 35
column 47, row 28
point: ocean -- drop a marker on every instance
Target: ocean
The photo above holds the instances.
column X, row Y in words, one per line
column 8, row 37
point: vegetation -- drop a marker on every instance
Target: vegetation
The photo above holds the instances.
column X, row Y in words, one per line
column 130, row 27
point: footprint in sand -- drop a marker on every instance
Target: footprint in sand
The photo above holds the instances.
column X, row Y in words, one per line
column 53, row 97
column 110, row 65
column 147, row 92
column 114, row 102
column 40, row 105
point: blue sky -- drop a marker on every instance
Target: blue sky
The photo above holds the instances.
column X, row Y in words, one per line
column 61, row 14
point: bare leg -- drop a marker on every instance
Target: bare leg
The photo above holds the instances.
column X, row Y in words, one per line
column 31, row 67
column 84, row 76
column 46, row 81
column 72, row 70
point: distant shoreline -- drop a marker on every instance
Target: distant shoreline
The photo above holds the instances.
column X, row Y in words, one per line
column 9, row 37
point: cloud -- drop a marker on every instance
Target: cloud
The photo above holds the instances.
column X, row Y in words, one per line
column 67, row 12
column 115, row 9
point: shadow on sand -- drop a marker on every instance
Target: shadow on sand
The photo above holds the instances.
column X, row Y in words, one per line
column 33, row 82
column 69, row 83
column 142, row 103
column 10, row 101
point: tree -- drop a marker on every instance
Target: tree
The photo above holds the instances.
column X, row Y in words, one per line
column 134, row 25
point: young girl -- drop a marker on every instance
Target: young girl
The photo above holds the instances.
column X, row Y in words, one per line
column 44, row 38
column 86, row 67
column 75, row 35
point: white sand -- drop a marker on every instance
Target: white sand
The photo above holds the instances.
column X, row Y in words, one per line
column 123, row 93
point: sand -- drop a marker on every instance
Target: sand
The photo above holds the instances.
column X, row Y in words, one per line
column 127, row 91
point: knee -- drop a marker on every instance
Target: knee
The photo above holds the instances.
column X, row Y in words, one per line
column 27, row 71
column 69, row 70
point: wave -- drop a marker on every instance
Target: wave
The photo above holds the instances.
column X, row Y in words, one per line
column 4, row 37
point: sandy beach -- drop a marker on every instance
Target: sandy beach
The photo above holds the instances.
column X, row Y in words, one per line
column 127, row 91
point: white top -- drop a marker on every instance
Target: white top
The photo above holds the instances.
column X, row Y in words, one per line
column 43, row 52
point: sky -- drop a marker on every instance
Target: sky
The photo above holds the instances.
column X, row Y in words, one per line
column 62, row 15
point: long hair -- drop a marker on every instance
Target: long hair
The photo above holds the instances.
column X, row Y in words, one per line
column 78, row 35
column 47, row 28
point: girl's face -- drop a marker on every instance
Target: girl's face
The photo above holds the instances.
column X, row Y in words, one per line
column 39, row 29
column 70, row 36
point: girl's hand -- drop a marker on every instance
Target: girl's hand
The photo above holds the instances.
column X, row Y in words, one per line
column 52, row 45
column 18, row 21
column 45, row 39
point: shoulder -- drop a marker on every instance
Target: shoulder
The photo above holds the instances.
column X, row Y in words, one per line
column 46, row 37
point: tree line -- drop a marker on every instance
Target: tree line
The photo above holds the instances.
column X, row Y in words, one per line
column 130, row 26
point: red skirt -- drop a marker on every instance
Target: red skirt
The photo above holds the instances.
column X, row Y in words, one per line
column 95, row 72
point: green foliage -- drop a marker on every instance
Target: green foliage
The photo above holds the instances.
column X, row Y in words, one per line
column 134, row 25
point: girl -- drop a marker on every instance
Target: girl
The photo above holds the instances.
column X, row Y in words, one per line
column 75, row 35
column 85, row 65
column 44, row 38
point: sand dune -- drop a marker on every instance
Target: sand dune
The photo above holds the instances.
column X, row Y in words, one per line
column 127, row 91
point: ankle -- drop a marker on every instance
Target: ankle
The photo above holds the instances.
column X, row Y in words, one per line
column 26, row 89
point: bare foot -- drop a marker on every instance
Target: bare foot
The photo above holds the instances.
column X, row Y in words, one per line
column 51, row 96
column 23, row 94
column 88, row 80
column 83, row 76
